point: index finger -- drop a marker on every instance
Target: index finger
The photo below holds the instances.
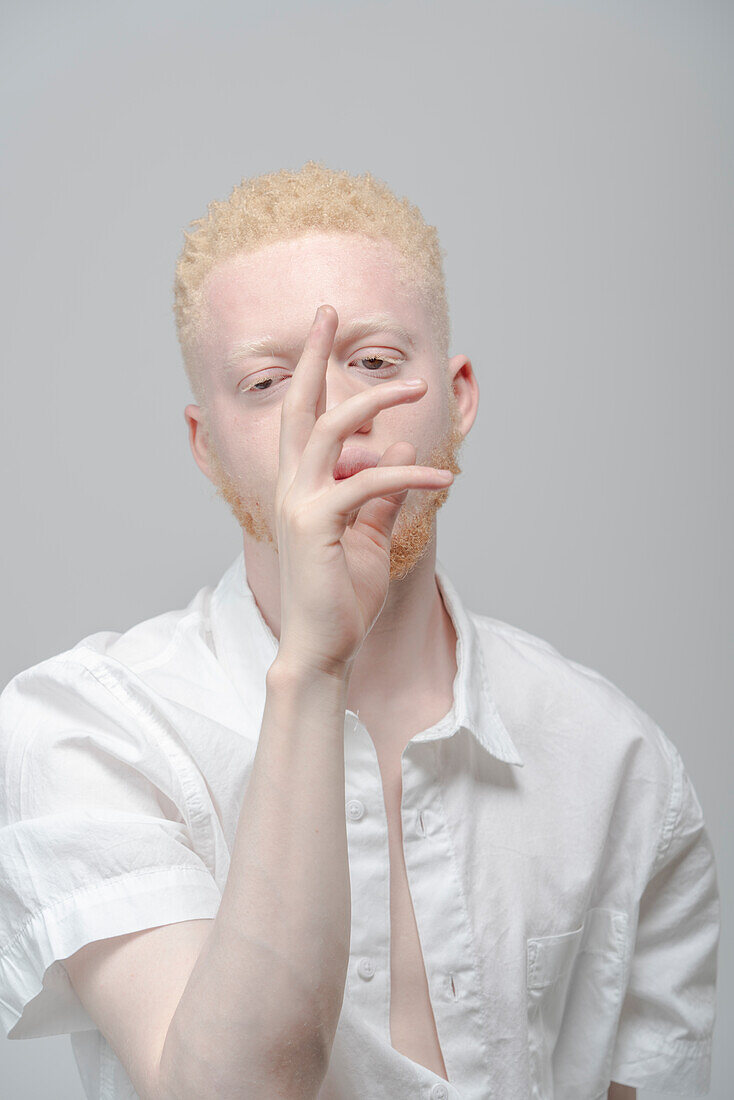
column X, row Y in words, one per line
column 306, row 397
column 310, row 382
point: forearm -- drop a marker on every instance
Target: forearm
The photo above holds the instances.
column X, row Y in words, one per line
column 261, row 1007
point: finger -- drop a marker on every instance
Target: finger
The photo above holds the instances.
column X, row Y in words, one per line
column 376, row 519
column 305, row 400
column 321, row 453
column 335, row 504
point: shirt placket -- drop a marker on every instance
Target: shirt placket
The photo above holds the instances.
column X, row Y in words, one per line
column 441, row 915
column 368, row 974
column 444, row 927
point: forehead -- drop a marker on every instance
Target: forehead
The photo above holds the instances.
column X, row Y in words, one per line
column 277, row 288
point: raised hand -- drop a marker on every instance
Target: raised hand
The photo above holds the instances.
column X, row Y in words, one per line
column 334, row 535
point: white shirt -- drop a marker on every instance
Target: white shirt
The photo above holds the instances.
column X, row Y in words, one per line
column 562, row 877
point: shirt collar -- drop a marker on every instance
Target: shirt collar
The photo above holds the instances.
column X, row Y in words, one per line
column 246, row 647
column 474, row 706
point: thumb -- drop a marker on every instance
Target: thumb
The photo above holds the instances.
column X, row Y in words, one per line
column 377, row 517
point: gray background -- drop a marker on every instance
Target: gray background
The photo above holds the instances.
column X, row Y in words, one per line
column 577, row 161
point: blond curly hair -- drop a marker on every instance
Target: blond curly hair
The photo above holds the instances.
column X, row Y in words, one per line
column 286, row 204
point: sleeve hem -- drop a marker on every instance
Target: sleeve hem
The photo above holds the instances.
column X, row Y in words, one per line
column 36, row 996
column 679, row 1066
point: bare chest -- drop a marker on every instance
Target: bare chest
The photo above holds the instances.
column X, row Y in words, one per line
column 412, row 1023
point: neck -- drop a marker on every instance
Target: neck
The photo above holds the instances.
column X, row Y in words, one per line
column 409, row 652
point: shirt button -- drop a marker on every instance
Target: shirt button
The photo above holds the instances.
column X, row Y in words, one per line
column 439, row 1092
column 366, row 969
column 355, row 809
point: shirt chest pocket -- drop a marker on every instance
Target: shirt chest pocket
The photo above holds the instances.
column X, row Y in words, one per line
column 574, row 995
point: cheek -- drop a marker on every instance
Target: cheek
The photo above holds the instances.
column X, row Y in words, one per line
column 423, row 419
column 236, row 429
column 250, row 446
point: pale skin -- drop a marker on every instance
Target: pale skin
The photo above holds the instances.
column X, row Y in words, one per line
column 128, row 981
column 410, row 649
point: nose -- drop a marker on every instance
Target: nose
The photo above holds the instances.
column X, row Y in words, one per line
column 340, row 385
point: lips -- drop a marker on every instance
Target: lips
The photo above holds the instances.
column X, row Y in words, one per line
column 352, row 460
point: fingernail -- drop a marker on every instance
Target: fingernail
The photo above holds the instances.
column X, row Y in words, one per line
column 413, row 382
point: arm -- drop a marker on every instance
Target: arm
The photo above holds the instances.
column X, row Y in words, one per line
column 273, row 969
column 621, row 1092
column 247, row 1003
column 251, row 1005
column 664, row 1038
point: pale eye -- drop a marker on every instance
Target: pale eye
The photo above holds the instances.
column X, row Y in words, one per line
column 381, row 365
column 261, row 384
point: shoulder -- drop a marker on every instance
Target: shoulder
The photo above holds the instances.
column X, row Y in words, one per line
column 146, row 645
column 150, row 643
column 94, row 685
column 548, row 696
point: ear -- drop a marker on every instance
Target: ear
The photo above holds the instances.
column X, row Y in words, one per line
column 198, row 437
column 465, row 387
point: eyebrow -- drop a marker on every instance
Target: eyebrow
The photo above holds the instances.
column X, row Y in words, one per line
column 345, row 334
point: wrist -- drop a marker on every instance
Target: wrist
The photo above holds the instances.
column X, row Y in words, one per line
column 296, row 668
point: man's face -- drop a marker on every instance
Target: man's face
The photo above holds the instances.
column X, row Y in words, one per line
column 274, row 293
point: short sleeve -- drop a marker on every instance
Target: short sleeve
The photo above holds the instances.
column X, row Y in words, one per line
column 94, row 840
column 667, row 1021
